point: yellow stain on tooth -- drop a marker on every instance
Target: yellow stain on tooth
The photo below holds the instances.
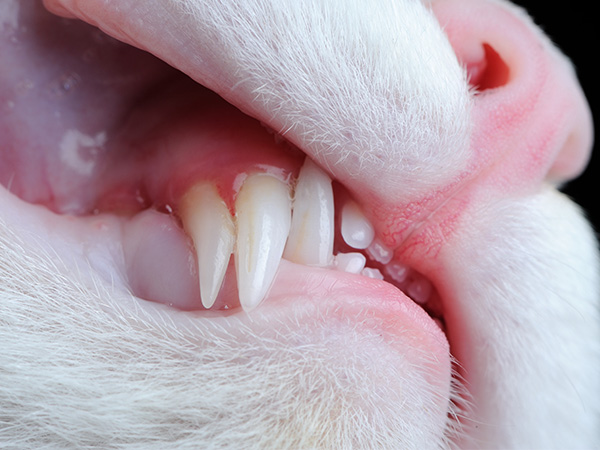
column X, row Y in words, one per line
column 207, row 221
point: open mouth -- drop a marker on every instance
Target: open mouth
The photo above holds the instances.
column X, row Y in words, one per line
column 174, row 196
column 199, row 192
column 318, row 224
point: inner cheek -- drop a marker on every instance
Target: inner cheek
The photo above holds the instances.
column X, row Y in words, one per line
column 134, row 183
column 147, row 160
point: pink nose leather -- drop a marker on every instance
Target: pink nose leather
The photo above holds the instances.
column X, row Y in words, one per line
column 530, row 120
column 531, row 113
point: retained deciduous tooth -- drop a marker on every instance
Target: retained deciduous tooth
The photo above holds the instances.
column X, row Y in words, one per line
column 207, row 221
column 311, row 234
column 357, row 231
column 263, row 211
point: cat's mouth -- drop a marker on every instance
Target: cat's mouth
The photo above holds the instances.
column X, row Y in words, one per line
column 107, row 131
column 177, row 196
column 312, row 217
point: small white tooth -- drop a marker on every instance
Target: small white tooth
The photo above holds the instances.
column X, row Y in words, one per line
column 350, row 262
column 372, row 273
column 397, row 272
column 357, row 231
column 379, row 252
column 207, row 221
column 311, row 234
column 263, row 211
column 419, row 289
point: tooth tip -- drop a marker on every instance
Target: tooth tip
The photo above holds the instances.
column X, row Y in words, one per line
column 208, row 303
column 253, row 287
column 250, row 301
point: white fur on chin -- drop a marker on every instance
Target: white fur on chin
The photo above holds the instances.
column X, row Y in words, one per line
column 75, row 374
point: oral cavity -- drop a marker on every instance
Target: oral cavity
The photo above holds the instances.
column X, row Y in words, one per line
column 208, row 205
column 192, row 181
column 273, row 218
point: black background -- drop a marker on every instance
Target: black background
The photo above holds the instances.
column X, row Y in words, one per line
column 573, row 28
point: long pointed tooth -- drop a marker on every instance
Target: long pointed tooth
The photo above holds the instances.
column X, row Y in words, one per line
column 263, row 211
column 311, row 234
column 357, row 231
column 207, row 220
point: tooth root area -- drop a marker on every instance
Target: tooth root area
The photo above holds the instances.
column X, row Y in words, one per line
column 263, row 212
column 207, row 221
column 356, row 230
column 312, row 229
column 350, row 262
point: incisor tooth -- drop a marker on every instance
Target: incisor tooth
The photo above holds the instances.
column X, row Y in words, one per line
column 207, row 220
column 311, row 234
column 379, row 252
column 372, row 273
column 350, row 262
column 397, row 271
column 263, row 211
column 357, row 231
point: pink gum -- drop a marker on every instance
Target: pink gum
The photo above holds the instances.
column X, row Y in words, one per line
column 210, row 141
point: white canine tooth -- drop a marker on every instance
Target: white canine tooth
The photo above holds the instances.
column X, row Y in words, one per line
column 419, row 290
column 379, row 252
column 207, row 220
column 357, row 231
column 263, row 211
column 350, row 262
column 311, row 234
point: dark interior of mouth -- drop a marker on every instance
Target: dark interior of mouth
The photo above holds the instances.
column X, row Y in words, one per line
column 93, row 126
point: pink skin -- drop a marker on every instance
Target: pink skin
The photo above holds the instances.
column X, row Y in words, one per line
column 530, row 126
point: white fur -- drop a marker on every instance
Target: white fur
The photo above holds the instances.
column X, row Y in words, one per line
column 73, row 374
column 525, row 277
column 382, row 96
column 81, row 367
